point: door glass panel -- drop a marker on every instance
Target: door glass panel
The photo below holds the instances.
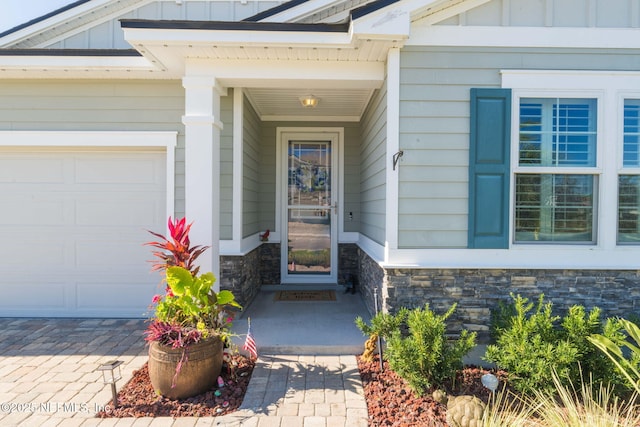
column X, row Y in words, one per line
column 309, row 208
column 309, row 241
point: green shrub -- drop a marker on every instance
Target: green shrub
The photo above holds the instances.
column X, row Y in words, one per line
column 533, row 343
column 500, row 318
column 530, row 347
column 425, row 356
column 382, row 324
column 577, row 327
column 613, row 346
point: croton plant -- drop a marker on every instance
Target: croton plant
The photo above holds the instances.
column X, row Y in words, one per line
column 176, row 250
column 190, row 310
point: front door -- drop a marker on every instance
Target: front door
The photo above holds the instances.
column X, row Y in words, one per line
column 309, row 250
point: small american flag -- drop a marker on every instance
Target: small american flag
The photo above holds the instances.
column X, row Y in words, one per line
column 250, row 342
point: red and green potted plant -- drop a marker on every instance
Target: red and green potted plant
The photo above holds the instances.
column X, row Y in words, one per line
column 191, row 321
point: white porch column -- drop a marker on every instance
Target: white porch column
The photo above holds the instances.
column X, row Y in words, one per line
column 202, row 167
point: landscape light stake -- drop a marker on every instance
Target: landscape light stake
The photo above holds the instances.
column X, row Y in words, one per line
column 111, row 374
column 375, row 305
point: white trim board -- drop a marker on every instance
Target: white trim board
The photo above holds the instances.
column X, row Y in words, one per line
column 106, row 139
column 336, row 135
column 450, row 35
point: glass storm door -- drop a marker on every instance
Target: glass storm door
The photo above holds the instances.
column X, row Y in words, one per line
column 310, row 249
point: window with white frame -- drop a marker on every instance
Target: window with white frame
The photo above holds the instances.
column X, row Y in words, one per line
column 629, row 178
column 575, row 158
column 556, row 178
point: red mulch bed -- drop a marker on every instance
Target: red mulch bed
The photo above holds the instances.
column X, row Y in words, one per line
column 138, row 399
column 391, row 402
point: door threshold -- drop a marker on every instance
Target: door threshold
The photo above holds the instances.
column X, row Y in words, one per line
column 301, row 287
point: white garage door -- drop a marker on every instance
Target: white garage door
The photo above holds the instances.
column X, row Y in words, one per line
column 72, row 224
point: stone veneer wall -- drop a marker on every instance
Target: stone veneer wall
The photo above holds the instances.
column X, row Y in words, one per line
column 347, row 262
column 241, row 275
column 616, row 293
column 270, row 263
column 371, row 279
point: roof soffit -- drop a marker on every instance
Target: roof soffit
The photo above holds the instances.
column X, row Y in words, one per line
column 171, row 44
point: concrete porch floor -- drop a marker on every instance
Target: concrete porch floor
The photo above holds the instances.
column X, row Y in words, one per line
column 302, row 327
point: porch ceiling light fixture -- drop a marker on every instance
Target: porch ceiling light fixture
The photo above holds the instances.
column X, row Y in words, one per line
column 309, row 101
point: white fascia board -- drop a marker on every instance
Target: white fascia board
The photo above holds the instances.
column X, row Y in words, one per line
column 139, row 37
column 92, row 23
column 384, row 24
column 542, row 257
column 292, row 73
column 41, row 62
column 448, row 35
column 453, row 8
column 300, row 11
column 60, row 18
column 394, row 21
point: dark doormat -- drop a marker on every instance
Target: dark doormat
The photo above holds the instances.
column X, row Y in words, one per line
column 309, row 295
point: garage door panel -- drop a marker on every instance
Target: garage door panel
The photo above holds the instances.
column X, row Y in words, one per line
column 115, row 254
column 32, row 211
column 138, row 296
column 77, row 222
column 31, row 251
column 18, row 296
column 39, row 170
column 100, row 171
column 118, row 210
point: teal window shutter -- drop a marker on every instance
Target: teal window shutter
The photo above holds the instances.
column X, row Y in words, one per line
column 489, row 168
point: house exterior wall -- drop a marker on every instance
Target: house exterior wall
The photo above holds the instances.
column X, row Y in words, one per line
column 252, row 135
column 108, row 35
column 559, row 13
column 268, row 172
column 477, row 291
column 434, row 121
column 98, row 105
column 226, row 167
column 119, row 105
column 433, row 195
column 373, row 168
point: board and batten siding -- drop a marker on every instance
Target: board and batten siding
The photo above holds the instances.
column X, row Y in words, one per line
column 553, row 13
column 434, row 128
column 250, row 170
column 109, row 35
column 372, row 168
column 97, row 105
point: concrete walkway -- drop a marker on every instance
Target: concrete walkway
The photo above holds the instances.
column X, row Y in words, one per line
column 48, row 377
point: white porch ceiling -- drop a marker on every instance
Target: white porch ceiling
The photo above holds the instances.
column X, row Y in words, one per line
column 333, row 104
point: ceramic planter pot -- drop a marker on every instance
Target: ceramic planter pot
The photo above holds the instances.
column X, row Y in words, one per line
column 199, row 371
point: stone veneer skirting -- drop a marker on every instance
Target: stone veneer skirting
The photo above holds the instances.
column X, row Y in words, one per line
column 243, row 275
column 477, row 291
